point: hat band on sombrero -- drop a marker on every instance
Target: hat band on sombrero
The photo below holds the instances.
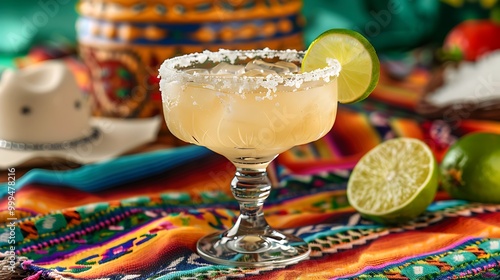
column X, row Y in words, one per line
column 21, row 146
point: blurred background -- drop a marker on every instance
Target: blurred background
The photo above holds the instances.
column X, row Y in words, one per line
column 396, row 25
column 130, row 38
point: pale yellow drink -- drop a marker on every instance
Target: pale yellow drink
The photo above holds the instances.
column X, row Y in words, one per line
column 249, row 125
column 249, row 114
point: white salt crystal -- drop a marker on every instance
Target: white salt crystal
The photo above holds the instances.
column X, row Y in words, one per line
column 231, row 78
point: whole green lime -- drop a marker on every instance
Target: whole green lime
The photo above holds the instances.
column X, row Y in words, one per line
column 471, row 168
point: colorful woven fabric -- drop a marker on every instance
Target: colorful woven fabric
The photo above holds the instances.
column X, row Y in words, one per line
column 144, row 225
column 153, row 237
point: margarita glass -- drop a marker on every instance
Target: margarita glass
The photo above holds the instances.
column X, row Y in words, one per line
column 249, row 116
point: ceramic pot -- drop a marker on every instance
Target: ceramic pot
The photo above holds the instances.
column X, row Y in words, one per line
column 123, row 42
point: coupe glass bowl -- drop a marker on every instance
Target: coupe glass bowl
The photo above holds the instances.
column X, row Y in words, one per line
column 249, row 119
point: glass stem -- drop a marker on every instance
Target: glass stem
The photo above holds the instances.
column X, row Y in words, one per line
column 251, row 187
column 251, row 240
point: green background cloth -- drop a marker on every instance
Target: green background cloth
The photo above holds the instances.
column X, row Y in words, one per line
column 391, row 25
column 24, row 23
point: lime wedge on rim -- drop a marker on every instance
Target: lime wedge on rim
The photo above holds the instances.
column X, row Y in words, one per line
column 394, row 182
column 360, row 65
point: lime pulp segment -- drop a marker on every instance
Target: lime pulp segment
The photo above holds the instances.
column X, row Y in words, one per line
column 392, row 176
column 359, row 61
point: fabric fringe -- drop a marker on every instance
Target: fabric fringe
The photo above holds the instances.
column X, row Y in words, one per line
column 12, row 271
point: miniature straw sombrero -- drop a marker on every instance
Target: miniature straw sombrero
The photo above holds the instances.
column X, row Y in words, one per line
column 44, row 116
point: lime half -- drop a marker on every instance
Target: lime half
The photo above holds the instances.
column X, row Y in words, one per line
column 394, row 182
column 360, row 65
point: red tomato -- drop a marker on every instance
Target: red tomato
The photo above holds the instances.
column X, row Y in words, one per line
column 472, row 38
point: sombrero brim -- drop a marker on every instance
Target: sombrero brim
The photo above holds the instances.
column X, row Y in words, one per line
column 117, row 137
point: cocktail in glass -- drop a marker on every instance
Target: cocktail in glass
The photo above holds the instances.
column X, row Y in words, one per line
column 249, row 106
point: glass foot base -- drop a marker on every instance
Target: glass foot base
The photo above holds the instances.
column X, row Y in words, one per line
column 253, row 250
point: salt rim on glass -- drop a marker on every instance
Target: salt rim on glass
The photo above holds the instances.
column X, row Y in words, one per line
column 171, row 71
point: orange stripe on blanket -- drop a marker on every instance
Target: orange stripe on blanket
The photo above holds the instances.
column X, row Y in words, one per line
column 403, row 93
column 152, row 241
column 468, row 126
column 407, row 128
column 394, row 247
